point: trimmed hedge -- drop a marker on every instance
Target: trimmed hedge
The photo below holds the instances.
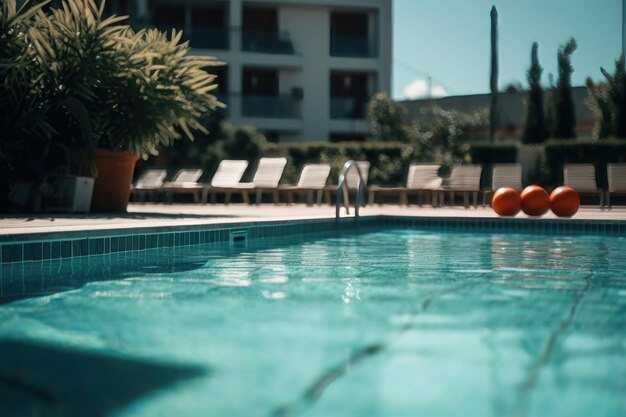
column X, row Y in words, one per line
column 599, row 153
column 487, row 153
column 389, row 160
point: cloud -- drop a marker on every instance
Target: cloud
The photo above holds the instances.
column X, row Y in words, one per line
column 418, row 88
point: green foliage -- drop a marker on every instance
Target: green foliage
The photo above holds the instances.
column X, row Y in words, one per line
column 487, row 153
column 559, row 152
column 608, row 102
column 535, row 130
column 239, row 142
column 389, row 160
column 24, row 128
column 224, row 141
column 564, row 115
column 387, row 119
column 72, row 78
column 442, row 135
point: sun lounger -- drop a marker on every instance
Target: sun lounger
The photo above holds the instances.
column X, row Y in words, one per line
column 148, row 183
column 504, row 175
column 266, row 178
column 227, row 176
column 464, row 179
column 422, row 179
column 582, row 178
column 616, row 173
column 184, row 182
column 312, row 180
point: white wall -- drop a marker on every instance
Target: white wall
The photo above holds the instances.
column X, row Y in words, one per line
column 308, row 24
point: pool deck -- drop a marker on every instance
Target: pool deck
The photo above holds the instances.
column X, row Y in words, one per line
column 163, row 215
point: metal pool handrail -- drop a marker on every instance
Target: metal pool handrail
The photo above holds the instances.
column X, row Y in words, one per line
column 342, row 183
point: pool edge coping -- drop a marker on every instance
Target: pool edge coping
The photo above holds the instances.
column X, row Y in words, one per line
column 15, row 248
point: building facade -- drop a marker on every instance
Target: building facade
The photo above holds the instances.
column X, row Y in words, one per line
column 298, row 70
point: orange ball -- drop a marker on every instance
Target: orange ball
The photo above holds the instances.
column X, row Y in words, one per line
column 535, row 200
column 506, row 201
column 564, row 201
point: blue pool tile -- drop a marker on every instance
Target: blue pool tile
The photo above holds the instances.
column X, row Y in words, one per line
column 32, row 251
column 66, row 249
column 7, row 255
column 96, row 246
column 121, row 243
column 114, row 244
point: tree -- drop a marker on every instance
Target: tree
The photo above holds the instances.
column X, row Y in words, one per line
column 443, row 134
column 608, row 102
column 387, row 119
column 535, row 130
column 564, row 113
column 493, row 110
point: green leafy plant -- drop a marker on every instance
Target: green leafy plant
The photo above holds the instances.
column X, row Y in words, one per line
column 82, row 80
column 535, row 130
column 563, row 113
column 443, row 134
column 608, row 102
column 387, row 119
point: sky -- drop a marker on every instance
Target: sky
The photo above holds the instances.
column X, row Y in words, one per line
column 449, row 41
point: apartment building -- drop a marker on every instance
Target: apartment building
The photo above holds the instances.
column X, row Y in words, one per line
column 298, row 70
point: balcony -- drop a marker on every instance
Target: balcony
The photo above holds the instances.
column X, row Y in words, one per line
column 347, row 108
column 205, row 38
column 351, row 46
column 271, row 107
column 266, row 42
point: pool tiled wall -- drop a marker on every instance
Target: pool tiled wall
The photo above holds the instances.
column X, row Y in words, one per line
column 37, row 247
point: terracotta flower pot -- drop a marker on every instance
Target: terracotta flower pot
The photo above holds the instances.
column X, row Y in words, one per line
column 111, row 190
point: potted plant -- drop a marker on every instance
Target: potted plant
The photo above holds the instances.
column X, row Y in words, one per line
column 115, row 93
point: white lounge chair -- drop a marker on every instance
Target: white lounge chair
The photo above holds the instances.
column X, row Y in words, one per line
column 312, row 180
column 149, row 182
column 504, row 175
column 582, row 178
column 464, row 179
column 227, row 176
column 185, row 181
column 266, row 178
column 422, row 179
column 616, row 174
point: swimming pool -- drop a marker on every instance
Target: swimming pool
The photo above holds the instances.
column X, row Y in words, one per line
column 386, row 322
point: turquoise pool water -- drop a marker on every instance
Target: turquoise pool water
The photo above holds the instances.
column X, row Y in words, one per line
column 385, row 323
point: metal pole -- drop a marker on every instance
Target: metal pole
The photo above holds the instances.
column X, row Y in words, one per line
column 623, row 29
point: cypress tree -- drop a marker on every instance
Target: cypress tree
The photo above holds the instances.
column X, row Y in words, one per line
column 608, row 102
column 535, row 130
column 616, row 86
column 564, row 113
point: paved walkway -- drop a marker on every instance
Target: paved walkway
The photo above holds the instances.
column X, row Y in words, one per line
column 147, row 215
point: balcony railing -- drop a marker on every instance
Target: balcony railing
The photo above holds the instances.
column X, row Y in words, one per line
column 347, row 108
column 351, row 46
column 271, row 107
column 266, row 42
column 208, row 38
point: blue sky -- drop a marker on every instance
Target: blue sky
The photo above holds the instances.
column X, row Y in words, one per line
column 449, row 40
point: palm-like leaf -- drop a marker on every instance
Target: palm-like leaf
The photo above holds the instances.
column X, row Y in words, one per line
column 74, row 77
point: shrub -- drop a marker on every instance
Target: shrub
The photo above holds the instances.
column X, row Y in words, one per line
column 488, row 153
column 389, row 160
column 599, row 153
column 90, row 81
